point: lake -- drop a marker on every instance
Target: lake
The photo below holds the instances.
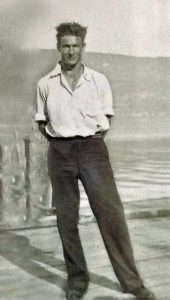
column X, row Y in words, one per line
column 141, row 167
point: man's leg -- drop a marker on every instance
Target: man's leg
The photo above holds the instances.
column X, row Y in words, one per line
column 62, row 169
column 97, row 178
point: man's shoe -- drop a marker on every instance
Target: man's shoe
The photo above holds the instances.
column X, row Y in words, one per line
column 144, row 294
column 76, row 291
column 74, row 294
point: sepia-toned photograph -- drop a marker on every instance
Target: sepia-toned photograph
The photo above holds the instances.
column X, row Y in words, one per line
column 84, row 150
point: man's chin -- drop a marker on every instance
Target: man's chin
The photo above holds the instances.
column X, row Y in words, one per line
column 72, row 62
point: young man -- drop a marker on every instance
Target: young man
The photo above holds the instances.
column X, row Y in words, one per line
column 74, row 108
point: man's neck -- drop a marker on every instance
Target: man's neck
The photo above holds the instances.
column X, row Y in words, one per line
column 73, row 75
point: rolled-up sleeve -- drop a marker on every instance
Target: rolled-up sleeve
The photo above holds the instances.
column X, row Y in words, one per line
column 41, row 109
column 107, row 98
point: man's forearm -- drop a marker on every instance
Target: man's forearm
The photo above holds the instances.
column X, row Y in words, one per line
column 109, row 117
column 41, row 127
column 105, row 132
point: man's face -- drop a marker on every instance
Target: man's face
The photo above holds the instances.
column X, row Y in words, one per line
column 71, row 49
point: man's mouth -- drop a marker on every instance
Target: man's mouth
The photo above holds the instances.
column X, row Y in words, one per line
column 71, row 57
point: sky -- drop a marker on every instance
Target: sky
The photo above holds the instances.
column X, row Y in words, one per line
column 131, row 27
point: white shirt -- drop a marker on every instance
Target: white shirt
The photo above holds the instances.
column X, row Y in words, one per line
column 80, row 112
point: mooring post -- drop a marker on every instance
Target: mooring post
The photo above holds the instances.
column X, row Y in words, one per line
column 27, row 177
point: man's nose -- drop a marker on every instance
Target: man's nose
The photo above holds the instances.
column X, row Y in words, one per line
column 71, row 50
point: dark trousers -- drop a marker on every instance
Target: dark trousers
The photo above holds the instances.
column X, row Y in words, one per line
column 87, row 159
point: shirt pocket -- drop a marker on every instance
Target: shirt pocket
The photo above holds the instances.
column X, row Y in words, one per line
column 93, row 107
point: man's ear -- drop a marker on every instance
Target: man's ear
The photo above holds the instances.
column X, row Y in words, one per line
column 58, row 47
column 84, row 46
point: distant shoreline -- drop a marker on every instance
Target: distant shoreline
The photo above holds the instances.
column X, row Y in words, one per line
column 123, row 137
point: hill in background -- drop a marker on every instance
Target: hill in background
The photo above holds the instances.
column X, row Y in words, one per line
column 141, row 88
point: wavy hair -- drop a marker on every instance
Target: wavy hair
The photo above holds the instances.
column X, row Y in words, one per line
column 70, row 29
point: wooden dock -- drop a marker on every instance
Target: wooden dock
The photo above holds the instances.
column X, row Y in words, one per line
column 32, row 265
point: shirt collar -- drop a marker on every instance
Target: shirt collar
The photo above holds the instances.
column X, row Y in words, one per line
column 57, row 71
